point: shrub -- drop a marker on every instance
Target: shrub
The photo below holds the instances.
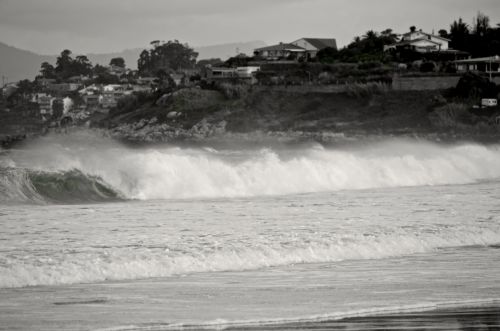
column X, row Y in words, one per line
column 453, row 114
column 427, row 67
column 232, row 90
column 370, row 65
column 360, row 90
column 126, row 104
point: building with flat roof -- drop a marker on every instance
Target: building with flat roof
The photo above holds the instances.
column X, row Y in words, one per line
column 490, row 64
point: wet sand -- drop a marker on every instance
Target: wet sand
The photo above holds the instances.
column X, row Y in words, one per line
column 463, row 319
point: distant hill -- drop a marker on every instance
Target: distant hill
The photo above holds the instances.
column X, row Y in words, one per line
column 17, row 64
column 225, row 51
column 129, row 55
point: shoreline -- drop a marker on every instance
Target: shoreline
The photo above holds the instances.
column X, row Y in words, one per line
column 459, row 318
column 261, row 138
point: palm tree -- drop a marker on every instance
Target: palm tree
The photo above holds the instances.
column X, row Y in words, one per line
column 370, row 34
column 459, row 33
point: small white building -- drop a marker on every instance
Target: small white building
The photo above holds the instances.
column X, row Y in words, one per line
column 241, row 73
column 489, row 102
column 489, row 64
column 113, row 88
column 247, row 72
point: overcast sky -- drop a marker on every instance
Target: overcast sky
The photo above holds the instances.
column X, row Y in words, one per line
column 83, row 26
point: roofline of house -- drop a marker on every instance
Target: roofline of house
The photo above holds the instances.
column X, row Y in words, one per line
column 428, row 34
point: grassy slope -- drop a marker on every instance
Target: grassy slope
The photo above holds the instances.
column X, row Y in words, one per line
column 383, row 112
column 277, row 111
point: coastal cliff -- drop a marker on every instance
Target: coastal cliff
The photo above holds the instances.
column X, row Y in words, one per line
column 256, row 112
column 288, row 113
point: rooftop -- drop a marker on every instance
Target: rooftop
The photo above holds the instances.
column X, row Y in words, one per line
column 425, row 33
column 489, row 59
column 281, row 47
column 321, row 43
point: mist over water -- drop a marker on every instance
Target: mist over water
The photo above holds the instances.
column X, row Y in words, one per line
column 99, row 168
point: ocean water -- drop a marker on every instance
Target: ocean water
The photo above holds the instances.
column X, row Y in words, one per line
column 95, row 235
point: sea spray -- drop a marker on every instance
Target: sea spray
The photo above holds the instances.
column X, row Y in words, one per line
column 161, row 172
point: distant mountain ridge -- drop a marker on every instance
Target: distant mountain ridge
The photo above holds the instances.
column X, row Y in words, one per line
column 17, row 64
column 225, row 51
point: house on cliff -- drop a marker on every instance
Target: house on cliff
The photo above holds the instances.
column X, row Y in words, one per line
column 421, row 42
column 314, row 45
column 303, row 48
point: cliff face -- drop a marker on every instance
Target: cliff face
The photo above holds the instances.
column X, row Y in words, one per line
column 290, row 114
column 195, row 114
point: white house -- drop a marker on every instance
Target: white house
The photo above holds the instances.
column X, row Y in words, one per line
column 421, row 42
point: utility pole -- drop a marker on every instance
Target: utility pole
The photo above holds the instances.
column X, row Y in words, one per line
column 490, row 70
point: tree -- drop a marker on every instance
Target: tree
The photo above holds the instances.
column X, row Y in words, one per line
column 169, row 57
column 47, row 70
column 370, row 34
column 117, row 61
column 368, row 48
column 99, row 70
column 144, row 62
column 64, row 61
column 81, row 66
column 327, row 55
column 443, row 33
column 413, row 28
column 25, row 86
column 67, row 67
column 459, row 35
column 481, row 24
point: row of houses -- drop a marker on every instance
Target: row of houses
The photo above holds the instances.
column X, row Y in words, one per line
column 107, row 96
column 414, row 40
column 94, row 98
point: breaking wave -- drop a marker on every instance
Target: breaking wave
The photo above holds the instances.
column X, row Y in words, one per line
column 21, row 185
column 85, row 168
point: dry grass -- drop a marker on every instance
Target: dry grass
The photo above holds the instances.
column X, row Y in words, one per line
column 363, row 90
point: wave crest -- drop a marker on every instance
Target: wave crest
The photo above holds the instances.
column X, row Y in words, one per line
column 73, row 186
column 74, row 166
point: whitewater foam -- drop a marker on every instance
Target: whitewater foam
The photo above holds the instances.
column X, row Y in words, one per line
column 94, row 265
column 167, row 173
